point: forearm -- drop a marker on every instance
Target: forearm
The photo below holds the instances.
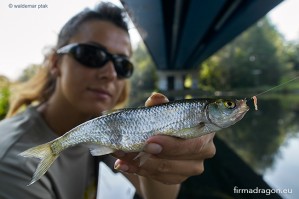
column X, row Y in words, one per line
column 152, row 189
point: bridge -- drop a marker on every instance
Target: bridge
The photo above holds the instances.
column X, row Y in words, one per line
column 181, row 34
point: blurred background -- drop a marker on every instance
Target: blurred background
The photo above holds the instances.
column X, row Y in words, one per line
column 265, row 55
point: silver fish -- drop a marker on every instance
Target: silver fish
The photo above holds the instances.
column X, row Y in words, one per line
column 128, row 129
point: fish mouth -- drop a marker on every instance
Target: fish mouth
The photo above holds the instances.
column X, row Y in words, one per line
column 241, row 114
column 243, row 108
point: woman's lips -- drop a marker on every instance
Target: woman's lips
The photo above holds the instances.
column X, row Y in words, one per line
column 100, row 93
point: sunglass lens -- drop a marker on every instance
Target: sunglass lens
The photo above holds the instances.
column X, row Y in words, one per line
column 95, row 57
column 90, row 56
column 123, row 67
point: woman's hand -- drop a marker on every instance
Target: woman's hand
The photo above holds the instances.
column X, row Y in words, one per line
column 172, row 159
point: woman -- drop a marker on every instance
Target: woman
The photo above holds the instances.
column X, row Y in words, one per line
column 86, row 74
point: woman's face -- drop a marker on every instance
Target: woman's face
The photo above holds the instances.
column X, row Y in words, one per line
column 89, row 90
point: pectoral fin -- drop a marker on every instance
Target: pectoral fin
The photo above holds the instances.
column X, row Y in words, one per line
column 192, row 132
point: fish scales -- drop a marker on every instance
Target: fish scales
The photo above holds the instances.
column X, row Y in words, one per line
column 128, row 129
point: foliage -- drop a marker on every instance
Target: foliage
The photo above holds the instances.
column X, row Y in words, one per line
column 144, row 77
column 292, row 58
column 257, row 57
column 4, row 96
column 28, row 72
column 5, row 87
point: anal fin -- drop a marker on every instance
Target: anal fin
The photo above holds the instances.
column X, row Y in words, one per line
column 98, row 150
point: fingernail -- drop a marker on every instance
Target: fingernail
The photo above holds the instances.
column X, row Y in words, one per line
column 153, row 148
column 121, row 167
column 158, row 96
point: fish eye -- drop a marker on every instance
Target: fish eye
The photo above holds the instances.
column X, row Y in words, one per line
column 230, row 104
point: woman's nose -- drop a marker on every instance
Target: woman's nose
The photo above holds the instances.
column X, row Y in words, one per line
column 107, row 71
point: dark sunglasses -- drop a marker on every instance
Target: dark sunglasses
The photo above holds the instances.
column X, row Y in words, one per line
column 94, row 56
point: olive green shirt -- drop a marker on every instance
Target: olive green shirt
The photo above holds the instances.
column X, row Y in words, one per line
column 70, row 176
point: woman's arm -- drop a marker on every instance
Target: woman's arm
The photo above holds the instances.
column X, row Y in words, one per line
column 151, row 189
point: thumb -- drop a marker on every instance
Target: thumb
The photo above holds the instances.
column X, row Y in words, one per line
column 155, row 99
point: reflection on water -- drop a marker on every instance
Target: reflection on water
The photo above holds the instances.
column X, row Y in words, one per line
column 268, row 141
column 284, row 173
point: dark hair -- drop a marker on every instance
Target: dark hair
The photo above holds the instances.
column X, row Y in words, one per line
column 42, row 85
column 103, row 11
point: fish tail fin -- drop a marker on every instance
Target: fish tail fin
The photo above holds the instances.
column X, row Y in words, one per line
column 43, row 152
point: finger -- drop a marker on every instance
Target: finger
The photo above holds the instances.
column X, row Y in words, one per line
column 125, row 156
column 155, row 165
column 155, row 99
column 171, row 167
column 166, row 171
column 175, row 148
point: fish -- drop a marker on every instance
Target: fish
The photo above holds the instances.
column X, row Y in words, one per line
column 128, row 129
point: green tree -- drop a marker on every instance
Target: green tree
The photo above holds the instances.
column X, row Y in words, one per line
column 292, row 55
column 4, row 96
column 28, row 72
column 255, row 58
column 144, row 77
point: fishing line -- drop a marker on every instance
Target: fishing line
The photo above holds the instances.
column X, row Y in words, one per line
column 266, row 91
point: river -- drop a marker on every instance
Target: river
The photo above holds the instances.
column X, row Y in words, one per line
column 268, row 141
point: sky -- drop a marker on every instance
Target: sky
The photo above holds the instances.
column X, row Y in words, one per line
column 26, row 33
column 285, row 16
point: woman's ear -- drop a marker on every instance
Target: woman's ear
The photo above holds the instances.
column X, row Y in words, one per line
column 55, row 64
